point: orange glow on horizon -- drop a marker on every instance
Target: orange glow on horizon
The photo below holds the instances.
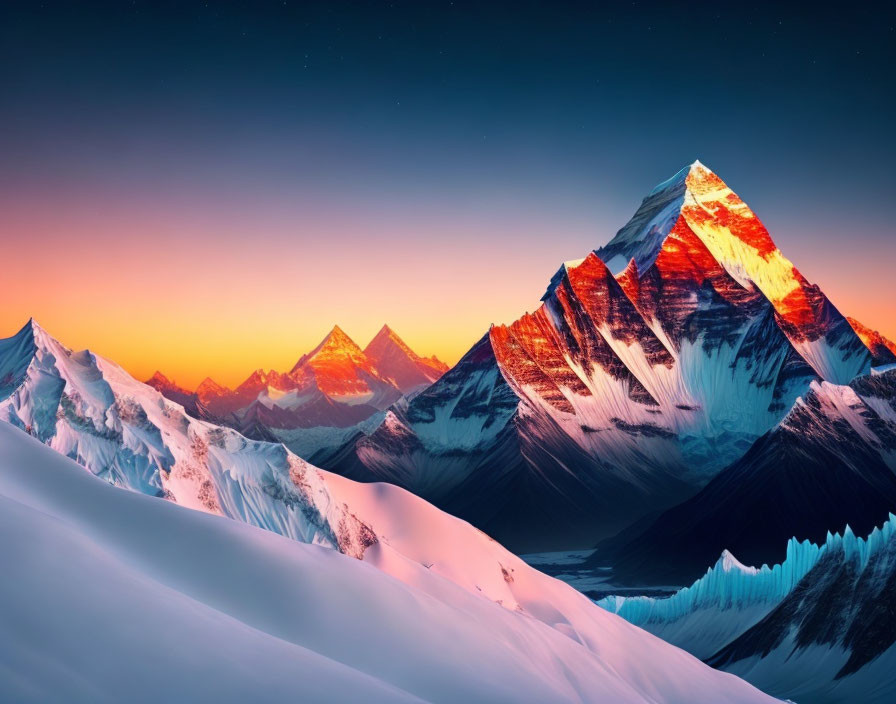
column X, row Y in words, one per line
column 227, row 293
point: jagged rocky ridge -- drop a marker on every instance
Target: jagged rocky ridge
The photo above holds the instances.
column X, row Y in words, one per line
column 830, row 462
column 92, row 411
column 631, row 386
column 883, row 351
column 818, row 627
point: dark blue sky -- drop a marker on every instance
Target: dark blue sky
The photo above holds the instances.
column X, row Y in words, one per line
column 475, row 116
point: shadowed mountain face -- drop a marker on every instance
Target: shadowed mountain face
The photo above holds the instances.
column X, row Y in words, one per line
column 398, row 363
column 829, row 463
column 652, row 364
column 842, row 608
column 818, row 627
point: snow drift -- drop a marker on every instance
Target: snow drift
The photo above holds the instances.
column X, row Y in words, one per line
column 110, row 595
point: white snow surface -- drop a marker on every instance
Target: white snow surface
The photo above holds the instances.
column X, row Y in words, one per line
column 113, row 596
column 459, row 618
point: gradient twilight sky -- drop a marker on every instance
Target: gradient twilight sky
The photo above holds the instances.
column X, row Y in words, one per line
column 207, row 188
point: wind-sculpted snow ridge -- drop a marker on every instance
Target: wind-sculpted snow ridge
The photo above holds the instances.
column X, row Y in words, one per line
column 634, row 383
column 395, row 361
column 818, row 627
column 229, row 613
column 125, row 432
column 91, row 410
column 719, row 606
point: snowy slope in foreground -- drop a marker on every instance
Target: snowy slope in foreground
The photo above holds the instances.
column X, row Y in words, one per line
column 114, row 596
column 817, row 628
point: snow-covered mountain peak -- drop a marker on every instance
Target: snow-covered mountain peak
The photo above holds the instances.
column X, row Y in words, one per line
column 159, row 378
column 337, row 342
column 883, row 351
column 166, row 386
column 336, row 346
column 696, row 216
column 394, row 360
column 652, row 363
column 34, row 334
column 385, row 339
column 209, row 386
column 729, row 562
column 723, row 222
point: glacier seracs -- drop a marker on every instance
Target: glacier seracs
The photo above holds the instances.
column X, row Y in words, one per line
column 816, row 628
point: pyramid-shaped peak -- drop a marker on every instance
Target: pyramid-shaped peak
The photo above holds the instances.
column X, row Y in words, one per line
column 337, row 344
column 31, row 327
column 386, row 331
column 675, row 187
column 394, row 360
column 706, row 203
column 698, row 171
column 209, row 385
column 701, row 180
column 728, row 562
column 254, row 379
column 338, row 338
column 697, row 204
column 159, row 378
column 33, row 335
column 387, row 337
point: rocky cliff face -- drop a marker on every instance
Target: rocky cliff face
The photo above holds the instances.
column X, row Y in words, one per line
column 830, row 462
column 651, row 364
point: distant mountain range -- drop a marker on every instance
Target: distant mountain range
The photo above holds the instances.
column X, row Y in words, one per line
column 337, row 384
column 651, row 365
